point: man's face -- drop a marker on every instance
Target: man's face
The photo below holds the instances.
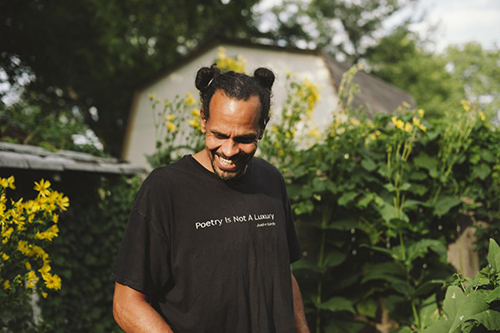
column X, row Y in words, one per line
column 231, row 134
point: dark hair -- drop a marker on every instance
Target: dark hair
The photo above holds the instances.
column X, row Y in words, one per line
column 236, row 85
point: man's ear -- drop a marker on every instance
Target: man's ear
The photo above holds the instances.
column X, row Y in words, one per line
column 203, row 121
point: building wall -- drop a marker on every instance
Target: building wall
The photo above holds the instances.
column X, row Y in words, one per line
column 141, row 135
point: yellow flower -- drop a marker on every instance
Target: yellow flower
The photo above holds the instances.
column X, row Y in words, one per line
column 24, row 248
column 170, row 127
column 288, row 73
column 195, row 112
column 315, row 133
column 482, row 116
column 416, row 121
column 52, row 281
column 4, row 183
column 408, row 127
column 170, row 117
column 194, row 123
column 280, row 153
column 166, row 101
column 31, row 280
column 62, row 201
column 277, row 145
column 5, row 257
column 287, row 134
column 6, row 234
column 189, row 100
column 10, row 182
column 44, row 295
column 355, row 121
column 406, row 105
column 55, row 218
column 6, row 285
column 42, row 187
column 465, row 105
column 423, row 128
column 421, row 113
column 28, row 265
column 152, row 96
column 45, row 269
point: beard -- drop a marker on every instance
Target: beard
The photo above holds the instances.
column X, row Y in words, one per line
column 241, row 160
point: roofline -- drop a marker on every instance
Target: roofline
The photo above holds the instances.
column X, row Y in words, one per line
column 199, row 50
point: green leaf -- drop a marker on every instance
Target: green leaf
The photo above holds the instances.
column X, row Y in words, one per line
column 388, row 271
column 389, row 187
column 334, row 258
column 429, row 313
column 441, row 326
column 482, row 171
column 473, row 304
column 493, row 296
column 444, row 204
column 367, row 308
column 487, row 156
column 318, row 185
column 426, row 287
column 418, row 175
column 368, row 164
column 420, row 249
column 336, row 304
column 452, row 300
column 489, row 318
column 347, row 197
column 494, row 255
column 424, row 161
column 306, row 265
column 405, row 186
column 340, row 326
column 365, row 200
column 418, row 189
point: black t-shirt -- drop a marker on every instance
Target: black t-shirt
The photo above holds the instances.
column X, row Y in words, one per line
column 212, row 255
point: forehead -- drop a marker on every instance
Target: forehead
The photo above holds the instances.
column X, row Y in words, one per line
column 231, row 113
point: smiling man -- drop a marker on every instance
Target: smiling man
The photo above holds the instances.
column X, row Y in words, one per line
column 211, row 237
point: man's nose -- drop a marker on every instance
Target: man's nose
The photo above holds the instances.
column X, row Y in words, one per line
column 230, row 148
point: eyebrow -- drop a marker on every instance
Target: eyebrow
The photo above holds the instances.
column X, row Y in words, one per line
column 248, row 136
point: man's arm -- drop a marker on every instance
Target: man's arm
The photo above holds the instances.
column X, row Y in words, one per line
column 134, row 314
column 298, row 309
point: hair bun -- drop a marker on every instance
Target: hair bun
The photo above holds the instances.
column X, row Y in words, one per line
column 205, row 76
column 265, row 77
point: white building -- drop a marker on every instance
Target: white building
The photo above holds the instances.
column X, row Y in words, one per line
column 375, row 95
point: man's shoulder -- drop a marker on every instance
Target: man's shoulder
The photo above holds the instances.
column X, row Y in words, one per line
column 261, row 165
column 167, row 173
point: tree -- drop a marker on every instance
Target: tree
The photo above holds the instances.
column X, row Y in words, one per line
column 478, row 71
column 401, row 59
column 89, row 55
column 339, row 26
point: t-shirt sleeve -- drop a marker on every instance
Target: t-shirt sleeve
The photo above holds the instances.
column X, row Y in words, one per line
column 291, row 234
column 143, row 260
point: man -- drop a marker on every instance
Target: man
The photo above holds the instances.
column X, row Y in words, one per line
column 211, row 237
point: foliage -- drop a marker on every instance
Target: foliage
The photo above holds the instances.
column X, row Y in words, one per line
column 90, row 55
column 472, row 305
column 85, row 253
column 172, row 126
column 319, row 23
column 401, row 59
column 25, row 124
column 377, row 203
column 27, row 228
column 478, row 72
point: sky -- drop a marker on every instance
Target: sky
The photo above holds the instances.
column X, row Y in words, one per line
column 460, row 21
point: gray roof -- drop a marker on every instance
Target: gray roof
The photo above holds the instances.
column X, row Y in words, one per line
column 18, row 156
column 375, row 94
